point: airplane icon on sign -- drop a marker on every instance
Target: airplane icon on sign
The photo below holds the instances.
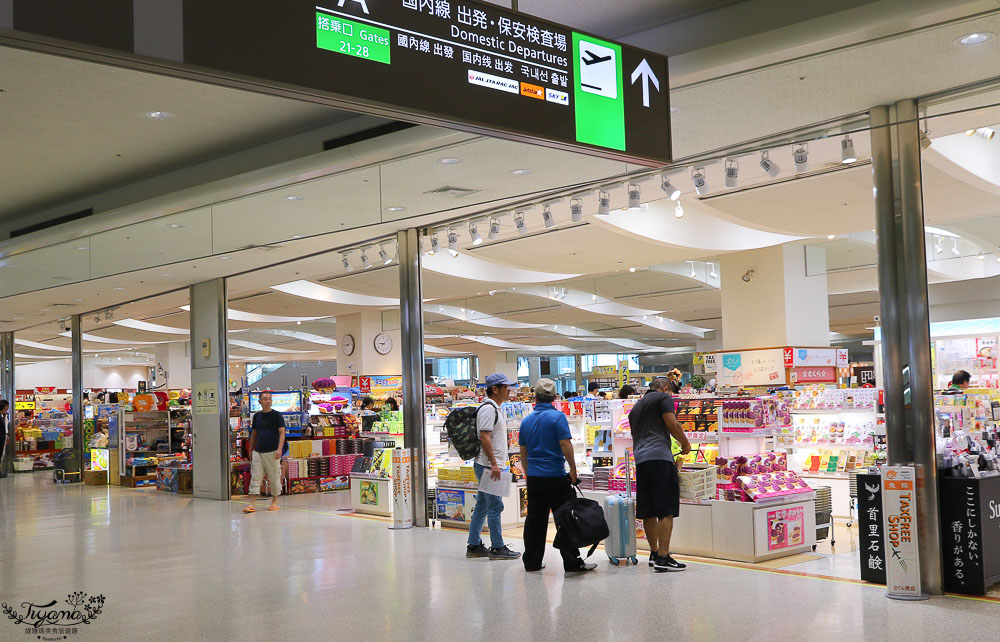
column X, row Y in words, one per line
column 589, row 57
column 598, row 70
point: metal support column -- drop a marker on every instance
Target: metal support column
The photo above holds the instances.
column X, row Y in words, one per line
column 7, row 392
column 76, row 341
column 210, row 389
column 920, row 398
column 411, row 313
column 906, row 348
column 578, row 365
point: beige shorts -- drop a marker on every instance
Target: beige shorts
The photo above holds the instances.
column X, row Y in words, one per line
column 265, row 464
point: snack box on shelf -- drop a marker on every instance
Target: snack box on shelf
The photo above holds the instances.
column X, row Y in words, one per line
column 772, row 485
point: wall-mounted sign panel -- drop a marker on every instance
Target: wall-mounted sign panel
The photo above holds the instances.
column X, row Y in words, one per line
column 467, row 64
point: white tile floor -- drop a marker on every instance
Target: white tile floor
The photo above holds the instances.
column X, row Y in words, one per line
column 176, row 568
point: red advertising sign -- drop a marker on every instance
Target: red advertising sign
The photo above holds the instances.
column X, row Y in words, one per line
column 365, row 384
column 786, row 354
column 819, row 374
column 46, row 390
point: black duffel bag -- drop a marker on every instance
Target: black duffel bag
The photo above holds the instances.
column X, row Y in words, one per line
column 580, row 523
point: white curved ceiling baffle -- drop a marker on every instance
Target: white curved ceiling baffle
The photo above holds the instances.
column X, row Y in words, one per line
column 436, row 350
column 582, row 300
column 52, row 348
column 260, row 347
column 464, row 266
column 318, row 292
column 698, row 229
column 121, row 342
column 38, row 356
column 508, row 345
column 973, row 154
column 308, row 337
column 462, row 314
column 250, row 317
column 135, row 324
column 661, row 322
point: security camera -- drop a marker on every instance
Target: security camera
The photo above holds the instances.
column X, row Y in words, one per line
column 747, row 276
column 878, row 319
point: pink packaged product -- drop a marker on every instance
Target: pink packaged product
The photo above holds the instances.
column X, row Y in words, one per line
column 771, row 485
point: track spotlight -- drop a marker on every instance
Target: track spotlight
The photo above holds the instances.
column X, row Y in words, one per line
column 937, row 245
column 474, row 234
column 769, row 166
column 603, row 203
column 519, row 224
column 732, row 173
column 631, row 269
column 847, row 154
column 987, row 133
column 801, row 157
column 494, row 229
column 698, row 178
column 346, row 262
column 954, row 247
column 694, row 273
column 547, row 217
column 713, row 274
column 453, row 243
column 982, row 256
column 970, row 132
column 669, row 189
column 576, row 210
column 634, row 197
column 679, row 211
column 365, row 263
column 434, row 245
column 384, row 256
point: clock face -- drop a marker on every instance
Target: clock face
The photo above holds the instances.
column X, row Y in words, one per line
column 347, row 344
column 383, row 343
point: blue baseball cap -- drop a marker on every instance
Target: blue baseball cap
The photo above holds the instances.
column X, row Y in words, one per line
column 497, row 379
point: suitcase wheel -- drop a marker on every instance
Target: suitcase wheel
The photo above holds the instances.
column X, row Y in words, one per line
column 635, row 561
column 614, row 560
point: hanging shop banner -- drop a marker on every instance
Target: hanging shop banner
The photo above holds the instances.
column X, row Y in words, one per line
column 24, row 401
column 803, row 357
column 365, row 385
column 605, row 371
column 710, row 367
column 752, row 368
column 900, row 527
column 46, row 390
column 825, row 374
column 385, row 385
column 842, row 358
column 871, row 536
column 622, row 373
column 402, row 488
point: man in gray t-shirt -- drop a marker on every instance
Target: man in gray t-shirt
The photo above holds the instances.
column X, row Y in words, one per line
column 657, row 500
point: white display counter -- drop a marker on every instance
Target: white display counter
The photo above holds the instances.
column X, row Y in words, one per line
column 371, row 495
column 741, row 531
column 455, row 505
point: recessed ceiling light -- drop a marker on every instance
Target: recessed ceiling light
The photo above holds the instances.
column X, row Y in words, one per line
column 520, row 172
column 449, row 160
column 831, row 236
column 225, row 258
column 395, row 208
column 294, row 197
column 81, row 247
column 176, row 226
column 78, row 299
column 117, row 288
column 159, row 115
column 166, row 274
column 977, row 38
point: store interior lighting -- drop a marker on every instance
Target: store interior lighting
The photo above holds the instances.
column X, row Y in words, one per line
column 981, row 256
column 603, row 202
column 769, row 166
column 384, row 256
column 669, row 189
column 346, row 262
column 434, row 245
column 713, row 274
column 634, row 196
column 494, row 229
column 800, row 155
column 474, row 234
column 547, row 217
column 453, row 242
column 937, row 245
column 576, row 210
column 954, row 247
column 365, row 263
column 694, row 273
column 732, row 173
column 520, row 224
column 699, row 181
column 847, row 153
column 679, row 211
column 986, row 133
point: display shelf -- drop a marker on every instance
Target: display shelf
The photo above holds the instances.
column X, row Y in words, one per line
column 818, row 475
column 817, row 446
column 832, row 411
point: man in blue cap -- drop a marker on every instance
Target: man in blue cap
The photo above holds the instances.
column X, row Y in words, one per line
column 492, row 457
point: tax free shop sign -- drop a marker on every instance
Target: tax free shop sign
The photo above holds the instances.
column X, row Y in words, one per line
column 480, row 65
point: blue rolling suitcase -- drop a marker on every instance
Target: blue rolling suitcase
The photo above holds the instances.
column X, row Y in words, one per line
column 619, row 512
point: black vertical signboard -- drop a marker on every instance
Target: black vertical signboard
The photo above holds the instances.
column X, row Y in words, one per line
column 970, row 533
column 870, row 528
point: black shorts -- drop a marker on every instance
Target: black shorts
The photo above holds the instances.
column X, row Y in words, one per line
column 657, row 490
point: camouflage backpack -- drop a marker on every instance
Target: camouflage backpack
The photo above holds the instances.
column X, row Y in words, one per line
column 463, row 430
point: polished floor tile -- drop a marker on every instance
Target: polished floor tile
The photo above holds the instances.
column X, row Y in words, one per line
column 171, row 567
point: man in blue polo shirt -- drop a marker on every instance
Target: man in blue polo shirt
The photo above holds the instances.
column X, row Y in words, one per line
column 546, row 446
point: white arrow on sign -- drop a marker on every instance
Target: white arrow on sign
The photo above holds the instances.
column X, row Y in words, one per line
column 645, row 72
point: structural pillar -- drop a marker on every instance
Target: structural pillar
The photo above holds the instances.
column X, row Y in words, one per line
column 496, row 361
column 210, row 389
column 534, row 370
column 578, row 365
column 411, row 314
column 76, row 343
column 363, row 328
column 7, row 392
column 906, row 344
column 775, row 296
